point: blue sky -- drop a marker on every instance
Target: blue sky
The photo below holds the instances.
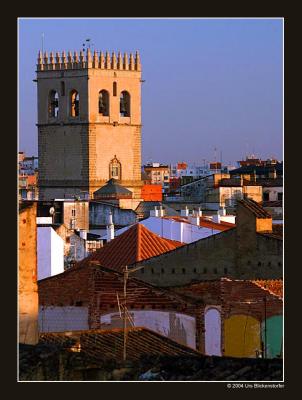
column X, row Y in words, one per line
column 209, row 82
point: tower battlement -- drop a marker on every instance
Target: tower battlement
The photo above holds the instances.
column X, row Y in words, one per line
column 98, row 60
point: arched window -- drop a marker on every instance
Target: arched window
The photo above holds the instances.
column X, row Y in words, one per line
column 125, row 104
column 53, row 105
column 104, row 103
column 115, row 170
column 74, row 103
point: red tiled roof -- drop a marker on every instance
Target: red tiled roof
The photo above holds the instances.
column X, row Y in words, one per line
column 136, row 244
column 255, row 208
column 273, row 286
column 205, row 222
column 108, row 344
column 222, row 226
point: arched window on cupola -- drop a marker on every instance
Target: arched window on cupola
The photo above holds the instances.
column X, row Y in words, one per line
column 125, row 104
column 53, row 104
column 104, row 103
column 74, row 103
column 115, row 169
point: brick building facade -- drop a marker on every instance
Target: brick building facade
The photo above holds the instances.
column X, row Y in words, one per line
column 99, row 291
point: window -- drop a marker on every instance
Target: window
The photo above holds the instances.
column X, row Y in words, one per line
column 173, row 271
column 104, row 103
column 115, row 169
column 183, row 271
column 195, row 270
column 152, row 271
column 53, row 105
column 114, row 89
column 74, row 103
column 280, row 196
column 125, row 104
column 62, row 88
column 73, row 212
column 162, row 271
column 225, row 270
column 215, row 270
column 259, row 264
column 205, row 270
column 265, row 196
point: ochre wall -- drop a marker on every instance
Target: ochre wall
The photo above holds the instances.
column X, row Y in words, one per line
column 27, row 276
column 241, row 336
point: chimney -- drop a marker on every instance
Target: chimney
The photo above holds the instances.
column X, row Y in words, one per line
column 272, row 173
column 216, row 218
column 185, row 212
column 110, row 228
column 222, row 211
column 83, row 234
column 155, row 212
column 199, row 212
column 161, row 211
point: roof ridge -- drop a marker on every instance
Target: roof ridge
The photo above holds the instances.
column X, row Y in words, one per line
column 139, row 231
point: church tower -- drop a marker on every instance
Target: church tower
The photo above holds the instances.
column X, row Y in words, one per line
column 89, row 122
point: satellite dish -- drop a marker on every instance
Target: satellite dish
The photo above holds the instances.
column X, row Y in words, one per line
column 51, row 210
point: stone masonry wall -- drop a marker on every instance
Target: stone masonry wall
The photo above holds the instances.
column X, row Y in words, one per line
column 27, row 276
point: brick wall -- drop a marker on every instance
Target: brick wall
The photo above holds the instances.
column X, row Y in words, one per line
column 97, row 289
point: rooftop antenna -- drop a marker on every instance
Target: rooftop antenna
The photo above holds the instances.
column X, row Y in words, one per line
column 42, row 38
column 87, row 44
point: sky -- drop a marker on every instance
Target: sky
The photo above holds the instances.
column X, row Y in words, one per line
column 209, row 83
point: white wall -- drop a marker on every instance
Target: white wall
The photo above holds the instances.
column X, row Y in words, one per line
column 179, row 327
column 60, row 319
column 212, row 332
column 273, row 192
column 174, row 230
column 50, row 252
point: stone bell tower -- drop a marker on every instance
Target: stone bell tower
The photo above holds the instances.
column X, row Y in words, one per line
column 89, row 122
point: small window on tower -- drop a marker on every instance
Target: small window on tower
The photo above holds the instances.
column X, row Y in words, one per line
column 53, row 106
column 125, row 104
column 75, row 103
column 104, row 103
column 114, row 89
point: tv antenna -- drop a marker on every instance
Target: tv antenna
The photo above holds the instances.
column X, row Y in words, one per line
column 87, row 45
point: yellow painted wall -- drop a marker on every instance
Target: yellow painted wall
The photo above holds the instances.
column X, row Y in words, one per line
column 241, row 336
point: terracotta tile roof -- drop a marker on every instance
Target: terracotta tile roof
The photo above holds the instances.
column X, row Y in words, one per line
column 276, row 203
column 229, row 289
column 108, row 344
column 144, row 208
column 235, row 182
column 222, row 226
column 270, row 182
column 255, row 208
column 273, row 286
column 134, row 245
column 177, row 218
column 205, row 222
